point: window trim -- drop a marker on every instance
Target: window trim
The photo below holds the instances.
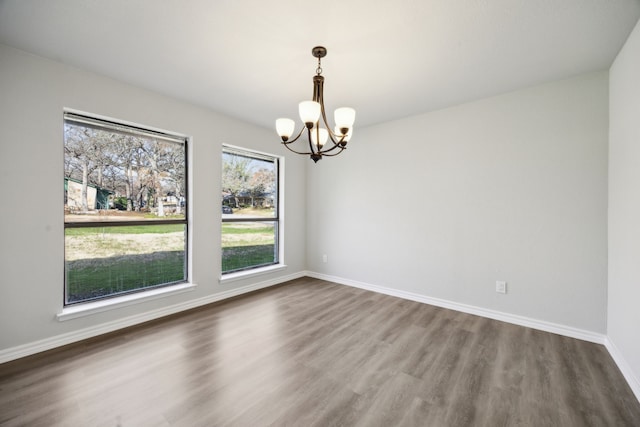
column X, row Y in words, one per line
column 122, row 300
column 278, row 219
column 134, row 296
column 238, row 275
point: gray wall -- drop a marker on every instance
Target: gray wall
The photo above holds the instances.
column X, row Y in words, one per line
column 34, row 92
column 443, row 204
column 624, row 207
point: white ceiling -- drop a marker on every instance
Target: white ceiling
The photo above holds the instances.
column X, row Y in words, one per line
column 388, row 59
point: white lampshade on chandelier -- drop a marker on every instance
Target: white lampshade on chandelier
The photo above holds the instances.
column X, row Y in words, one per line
column 323, row 140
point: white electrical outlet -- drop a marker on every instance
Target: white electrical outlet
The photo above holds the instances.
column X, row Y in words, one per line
column 501, row 287
column 324, row 258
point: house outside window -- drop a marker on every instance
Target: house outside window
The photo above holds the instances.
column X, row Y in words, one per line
column 250, row 210
column 125, row 208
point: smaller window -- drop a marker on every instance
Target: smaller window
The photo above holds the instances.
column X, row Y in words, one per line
column 250, row 210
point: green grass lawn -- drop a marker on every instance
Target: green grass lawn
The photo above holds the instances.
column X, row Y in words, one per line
column 240, row 257
column 109, row 261
column 105, row 261
column 130, row 229
column 247, row 245
column 99, row 277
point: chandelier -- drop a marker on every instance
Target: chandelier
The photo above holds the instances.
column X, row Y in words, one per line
column 318, row 134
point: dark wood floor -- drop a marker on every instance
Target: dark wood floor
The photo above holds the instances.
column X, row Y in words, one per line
column 313, row 353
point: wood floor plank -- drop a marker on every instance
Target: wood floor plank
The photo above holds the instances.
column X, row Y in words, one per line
column 315, row 353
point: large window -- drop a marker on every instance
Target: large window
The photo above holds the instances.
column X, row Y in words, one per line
column 250, row 214
column 125, row 201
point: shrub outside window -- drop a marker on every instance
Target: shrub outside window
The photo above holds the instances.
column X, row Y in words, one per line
column 250, row 210
column 125, row 208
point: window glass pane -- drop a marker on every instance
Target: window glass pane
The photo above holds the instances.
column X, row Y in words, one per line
column 249, row 186
column 125, row 202
column 112, row 175
column 109, row 261
column 248, row 244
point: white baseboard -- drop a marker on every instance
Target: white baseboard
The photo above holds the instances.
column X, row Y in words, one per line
column 470, row 309
column 624, row 367
column 94, row 331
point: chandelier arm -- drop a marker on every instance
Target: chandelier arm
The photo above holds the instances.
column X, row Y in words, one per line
column 335, row 136
column 286, row 143
column 319, row 97
column 289, row 141
column 335, row 145
column 324, row 114
column 294, row 151
column 334, row 154
column 326, row 125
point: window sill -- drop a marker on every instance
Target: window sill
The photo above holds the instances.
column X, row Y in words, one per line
column 240, row 275
column 90, row 308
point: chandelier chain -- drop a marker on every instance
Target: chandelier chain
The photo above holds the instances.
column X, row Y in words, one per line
column 319, row 69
